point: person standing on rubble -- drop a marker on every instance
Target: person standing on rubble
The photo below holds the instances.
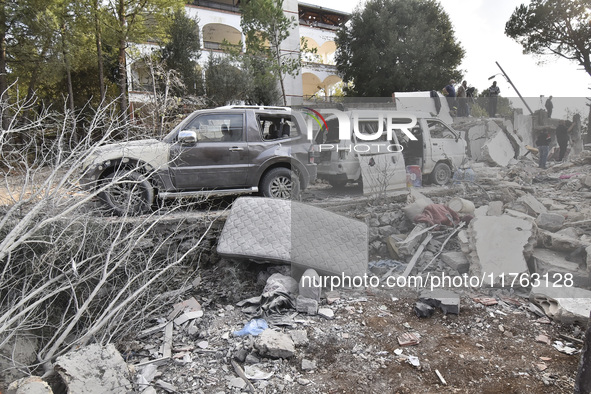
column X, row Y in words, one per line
column 549, row 106
column 543, row 143
column 462, row 99
column 493, row 95
column 563, row 137
column 449, row 91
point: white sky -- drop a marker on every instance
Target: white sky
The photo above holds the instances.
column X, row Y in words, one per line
column 479, row 26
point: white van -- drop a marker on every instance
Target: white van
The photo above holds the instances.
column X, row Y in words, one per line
column 438, row 150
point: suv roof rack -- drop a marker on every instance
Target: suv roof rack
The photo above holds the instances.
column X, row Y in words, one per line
column 259, row 107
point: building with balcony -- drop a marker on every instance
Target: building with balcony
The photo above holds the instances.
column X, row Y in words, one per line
column 219, row 22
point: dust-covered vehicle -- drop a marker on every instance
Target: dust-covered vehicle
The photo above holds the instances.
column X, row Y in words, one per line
column 437, row 149
column 227, row 150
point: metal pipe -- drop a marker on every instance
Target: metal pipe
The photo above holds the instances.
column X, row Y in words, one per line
column 509, row 80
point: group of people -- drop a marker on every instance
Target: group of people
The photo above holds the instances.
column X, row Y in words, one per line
column 464, row 96
column 459, row 99
column 562, row 139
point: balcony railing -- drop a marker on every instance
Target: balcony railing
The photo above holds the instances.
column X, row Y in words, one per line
column 215, row 5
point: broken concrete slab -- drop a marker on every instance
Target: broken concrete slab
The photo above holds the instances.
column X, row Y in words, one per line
column 499, row 246
column 446, row 300
column 555, row 265
column 94, row 369
column 274, row 230
column 559, row 242
column 550, row 221
column 497, row 150
column 310, row 285
column 275, row 344
column 457, row 261
column 534, row 207
column 565, row 304
column 476, row 138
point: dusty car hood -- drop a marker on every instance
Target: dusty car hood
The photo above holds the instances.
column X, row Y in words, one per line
column 151, row 151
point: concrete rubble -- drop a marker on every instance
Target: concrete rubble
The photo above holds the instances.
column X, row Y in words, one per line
column 521, row 221
column 94, row 369
column 275, row 344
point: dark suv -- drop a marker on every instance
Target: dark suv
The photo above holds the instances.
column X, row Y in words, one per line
column 227, row 150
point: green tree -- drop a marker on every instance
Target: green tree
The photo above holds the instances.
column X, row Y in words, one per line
column 138, row 21
column 182, row 51
column 266, row 27
column 397, row 45
column 554, row 27
column 224, row 81
column 261, row 82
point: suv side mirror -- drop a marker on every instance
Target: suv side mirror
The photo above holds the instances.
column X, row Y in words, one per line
column 187, row 137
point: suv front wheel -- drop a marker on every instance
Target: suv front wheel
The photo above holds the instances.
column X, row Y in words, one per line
column 128, row 193
column 279, row 183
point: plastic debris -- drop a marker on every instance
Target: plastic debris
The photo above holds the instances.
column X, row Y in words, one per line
column 253, row 327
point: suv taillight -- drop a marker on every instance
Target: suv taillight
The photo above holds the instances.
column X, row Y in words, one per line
column 311, row 155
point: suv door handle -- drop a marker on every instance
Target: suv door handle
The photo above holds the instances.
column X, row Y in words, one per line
column 236, row 149
column 435, row 143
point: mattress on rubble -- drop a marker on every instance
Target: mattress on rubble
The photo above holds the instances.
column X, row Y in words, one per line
column 273, row 230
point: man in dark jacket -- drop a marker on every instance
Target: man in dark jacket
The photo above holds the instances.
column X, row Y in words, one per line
column 543, row 143
column 562, row 137
column 549, row 106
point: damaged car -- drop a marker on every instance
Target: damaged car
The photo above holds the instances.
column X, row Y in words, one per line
column 227, row 150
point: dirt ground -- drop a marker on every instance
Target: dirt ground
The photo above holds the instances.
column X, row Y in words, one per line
column 484, row 349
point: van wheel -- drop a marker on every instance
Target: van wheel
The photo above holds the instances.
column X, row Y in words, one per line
column 441, row 174
column 277, row 183
column 128, row 193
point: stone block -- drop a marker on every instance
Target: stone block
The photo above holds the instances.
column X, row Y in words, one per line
column 275, row 344
column 310, row 285
column 550, row 221
column 457, row 261
column 306, row 305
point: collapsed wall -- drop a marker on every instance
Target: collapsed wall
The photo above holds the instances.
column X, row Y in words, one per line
column 497, row 142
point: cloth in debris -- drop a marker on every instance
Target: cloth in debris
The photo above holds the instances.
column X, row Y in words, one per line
column 438, row 214
column 279, row 292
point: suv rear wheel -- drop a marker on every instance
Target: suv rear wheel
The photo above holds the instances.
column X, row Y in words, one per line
column 277, row 183
column 128, row 193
